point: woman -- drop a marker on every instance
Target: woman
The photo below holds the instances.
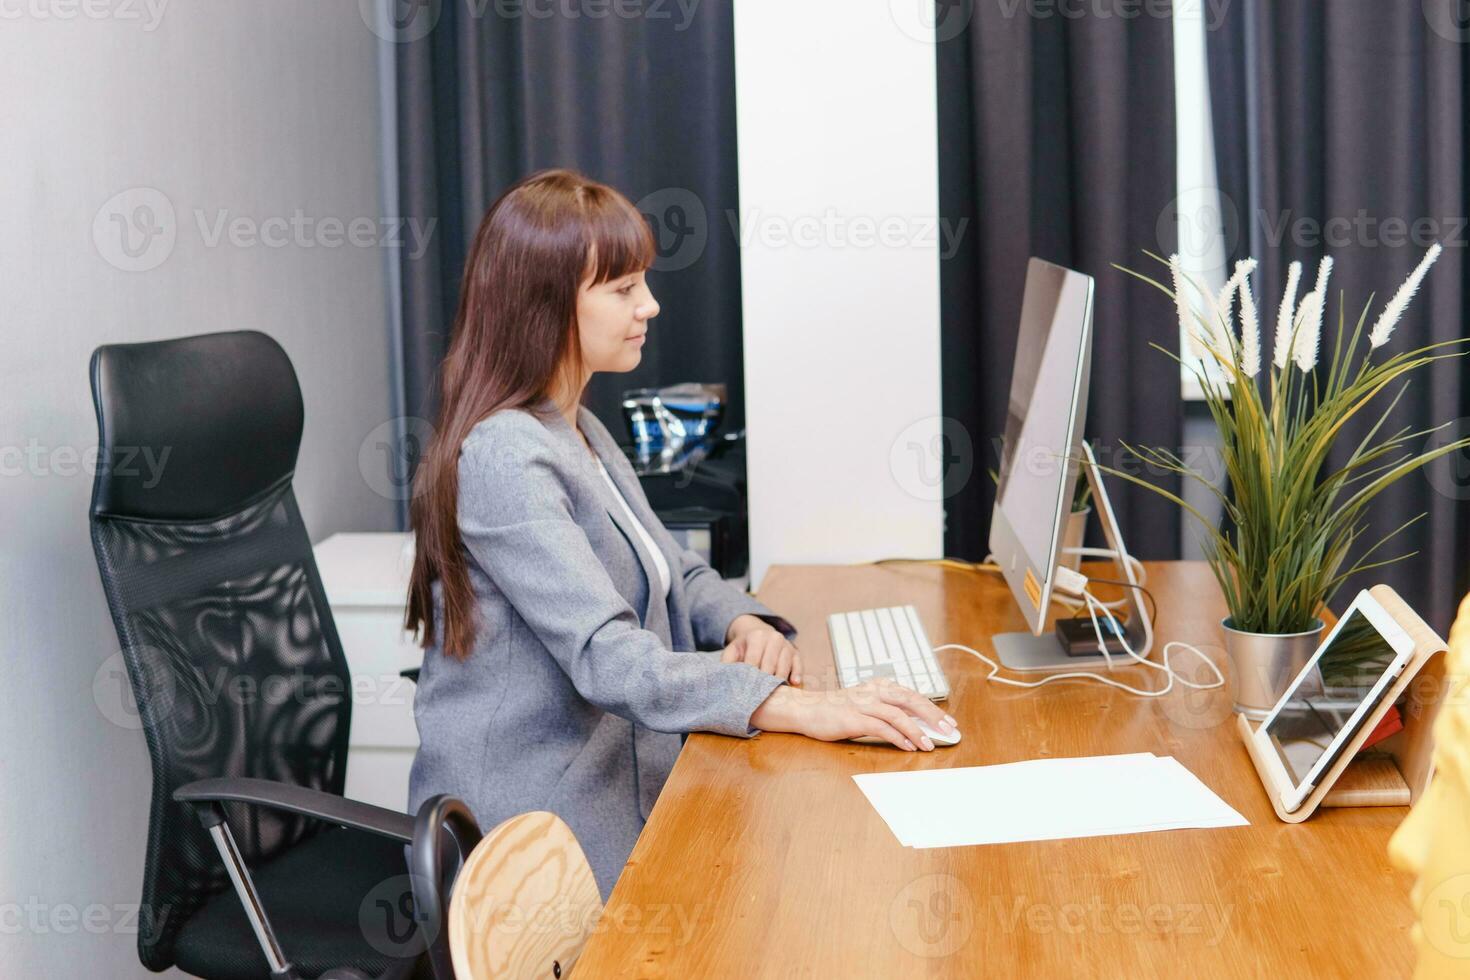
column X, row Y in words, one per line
column 559, row 617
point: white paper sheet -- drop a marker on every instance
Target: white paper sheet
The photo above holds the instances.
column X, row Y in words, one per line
column 1044, row 799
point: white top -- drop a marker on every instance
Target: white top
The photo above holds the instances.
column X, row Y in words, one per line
column 660, row 563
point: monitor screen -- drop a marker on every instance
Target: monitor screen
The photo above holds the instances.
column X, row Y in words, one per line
column 1043, row 423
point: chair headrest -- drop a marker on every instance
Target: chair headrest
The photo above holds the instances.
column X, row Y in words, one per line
column 192, row 428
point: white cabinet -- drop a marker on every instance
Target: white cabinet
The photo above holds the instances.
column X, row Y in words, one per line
column 366, row 580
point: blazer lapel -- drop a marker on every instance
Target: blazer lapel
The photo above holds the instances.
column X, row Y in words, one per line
column 654, row 614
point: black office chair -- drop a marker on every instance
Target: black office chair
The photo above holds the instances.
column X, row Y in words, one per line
column 241, row 684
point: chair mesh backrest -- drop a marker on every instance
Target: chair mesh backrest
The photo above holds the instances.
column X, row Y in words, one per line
column 229, row 645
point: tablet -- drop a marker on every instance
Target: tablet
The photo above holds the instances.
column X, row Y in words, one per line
column 1324, row 706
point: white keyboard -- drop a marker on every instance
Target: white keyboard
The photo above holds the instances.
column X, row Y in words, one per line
column 885, row 643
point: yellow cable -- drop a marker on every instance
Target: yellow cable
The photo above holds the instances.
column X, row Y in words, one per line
column 947, row 562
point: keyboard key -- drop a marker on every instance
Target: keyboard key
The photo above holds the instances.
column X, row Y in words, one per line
column 888, row 642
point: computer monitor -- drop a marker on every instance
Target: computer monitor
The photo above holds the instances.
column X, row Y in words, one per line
column 1039, row 461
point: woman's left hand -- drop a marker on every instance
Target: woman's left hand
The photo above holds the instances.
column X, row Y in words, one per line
column 766, row 649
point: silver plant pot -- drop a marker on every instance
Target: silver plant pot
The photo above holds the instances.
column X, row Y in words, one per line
column 1263, row 664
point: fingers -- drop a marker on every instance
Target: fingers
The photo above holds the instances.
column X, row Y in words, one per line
column 904, row 723
column 881, row 729
column 768, row 652
column 771, row 656
column 755, row 654
column 783, row 661
column 917, row 705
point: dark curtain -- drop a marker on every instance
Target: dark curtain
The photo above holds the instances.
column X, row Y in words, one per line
column 1338, row 126
column 640, row 96
column 1056, row 139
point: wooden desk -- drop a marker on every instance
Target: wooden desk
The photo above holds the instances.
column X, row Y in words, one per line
column 762, row 858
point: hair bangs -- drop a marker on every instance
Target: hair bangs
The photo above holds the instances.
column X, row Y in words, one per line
column 619, row 241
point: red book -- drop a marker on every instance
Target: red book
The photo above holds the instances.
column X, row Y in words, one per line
column 1390, row 724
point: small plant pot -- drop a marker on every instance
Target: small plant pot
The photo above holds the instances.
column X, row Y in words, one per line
column 1263, row 664
column 1073, row 534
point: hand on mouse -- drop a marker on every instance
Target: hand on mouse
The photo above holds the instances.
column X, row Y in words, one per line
column 765, row 648
column 878, row 708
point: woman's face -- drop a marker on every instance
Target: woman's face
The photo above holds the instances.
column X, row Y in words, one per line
column 612, row 320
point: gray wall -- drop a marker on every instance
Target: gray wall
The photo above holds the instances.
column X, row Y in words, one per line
column 256, row 108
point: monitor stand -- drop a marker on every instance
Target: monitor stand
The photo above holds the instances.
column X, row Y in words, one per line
column 1024, row 652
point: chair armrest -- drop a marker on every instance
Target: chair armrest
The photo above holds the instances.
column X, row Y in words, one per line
column 411, row 673
column 442, row 821
column 299, row 799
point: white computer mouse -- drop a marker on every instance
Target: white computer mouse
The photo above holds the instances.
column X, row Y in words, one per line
column 935, row 735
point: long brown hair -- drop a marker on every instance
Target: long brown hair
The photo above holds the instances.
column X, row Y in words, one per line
column 515, row 330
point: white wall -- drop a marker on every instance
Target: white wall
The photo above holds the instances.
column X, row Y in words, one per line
column 839, row 265
column 260, row 108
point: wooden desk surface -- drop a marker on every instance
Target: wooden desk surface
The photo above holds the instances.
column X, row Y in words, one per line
column 762, row 858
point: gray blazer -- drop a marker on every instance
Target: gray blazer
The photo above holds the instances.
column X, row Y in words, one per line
column 578, row 687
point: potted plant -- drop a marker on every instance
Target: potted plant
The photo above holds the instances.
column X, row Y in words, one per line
column 1294, row 526
column 1075, row 533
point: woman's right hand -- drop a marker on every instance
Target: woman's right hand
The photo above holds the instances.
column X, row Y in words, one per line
column 878, row 708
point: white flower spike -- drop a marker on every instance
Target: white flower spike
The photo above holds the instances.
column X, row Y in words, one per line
column 1223, row 332
column 1324, row 270
column 1389, row 318
column 1220, row 329
column 1181, row 304
column 1250, row 325
column 1309, row 331
column 1284, row 315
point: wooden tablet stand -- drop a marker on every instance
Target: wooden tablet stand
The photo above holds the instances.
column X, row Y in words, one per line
column 1395, row 771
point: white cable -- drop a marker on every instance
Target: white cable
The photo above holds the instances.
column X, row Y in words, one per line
column 1093, row 607
column 1140, row 574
